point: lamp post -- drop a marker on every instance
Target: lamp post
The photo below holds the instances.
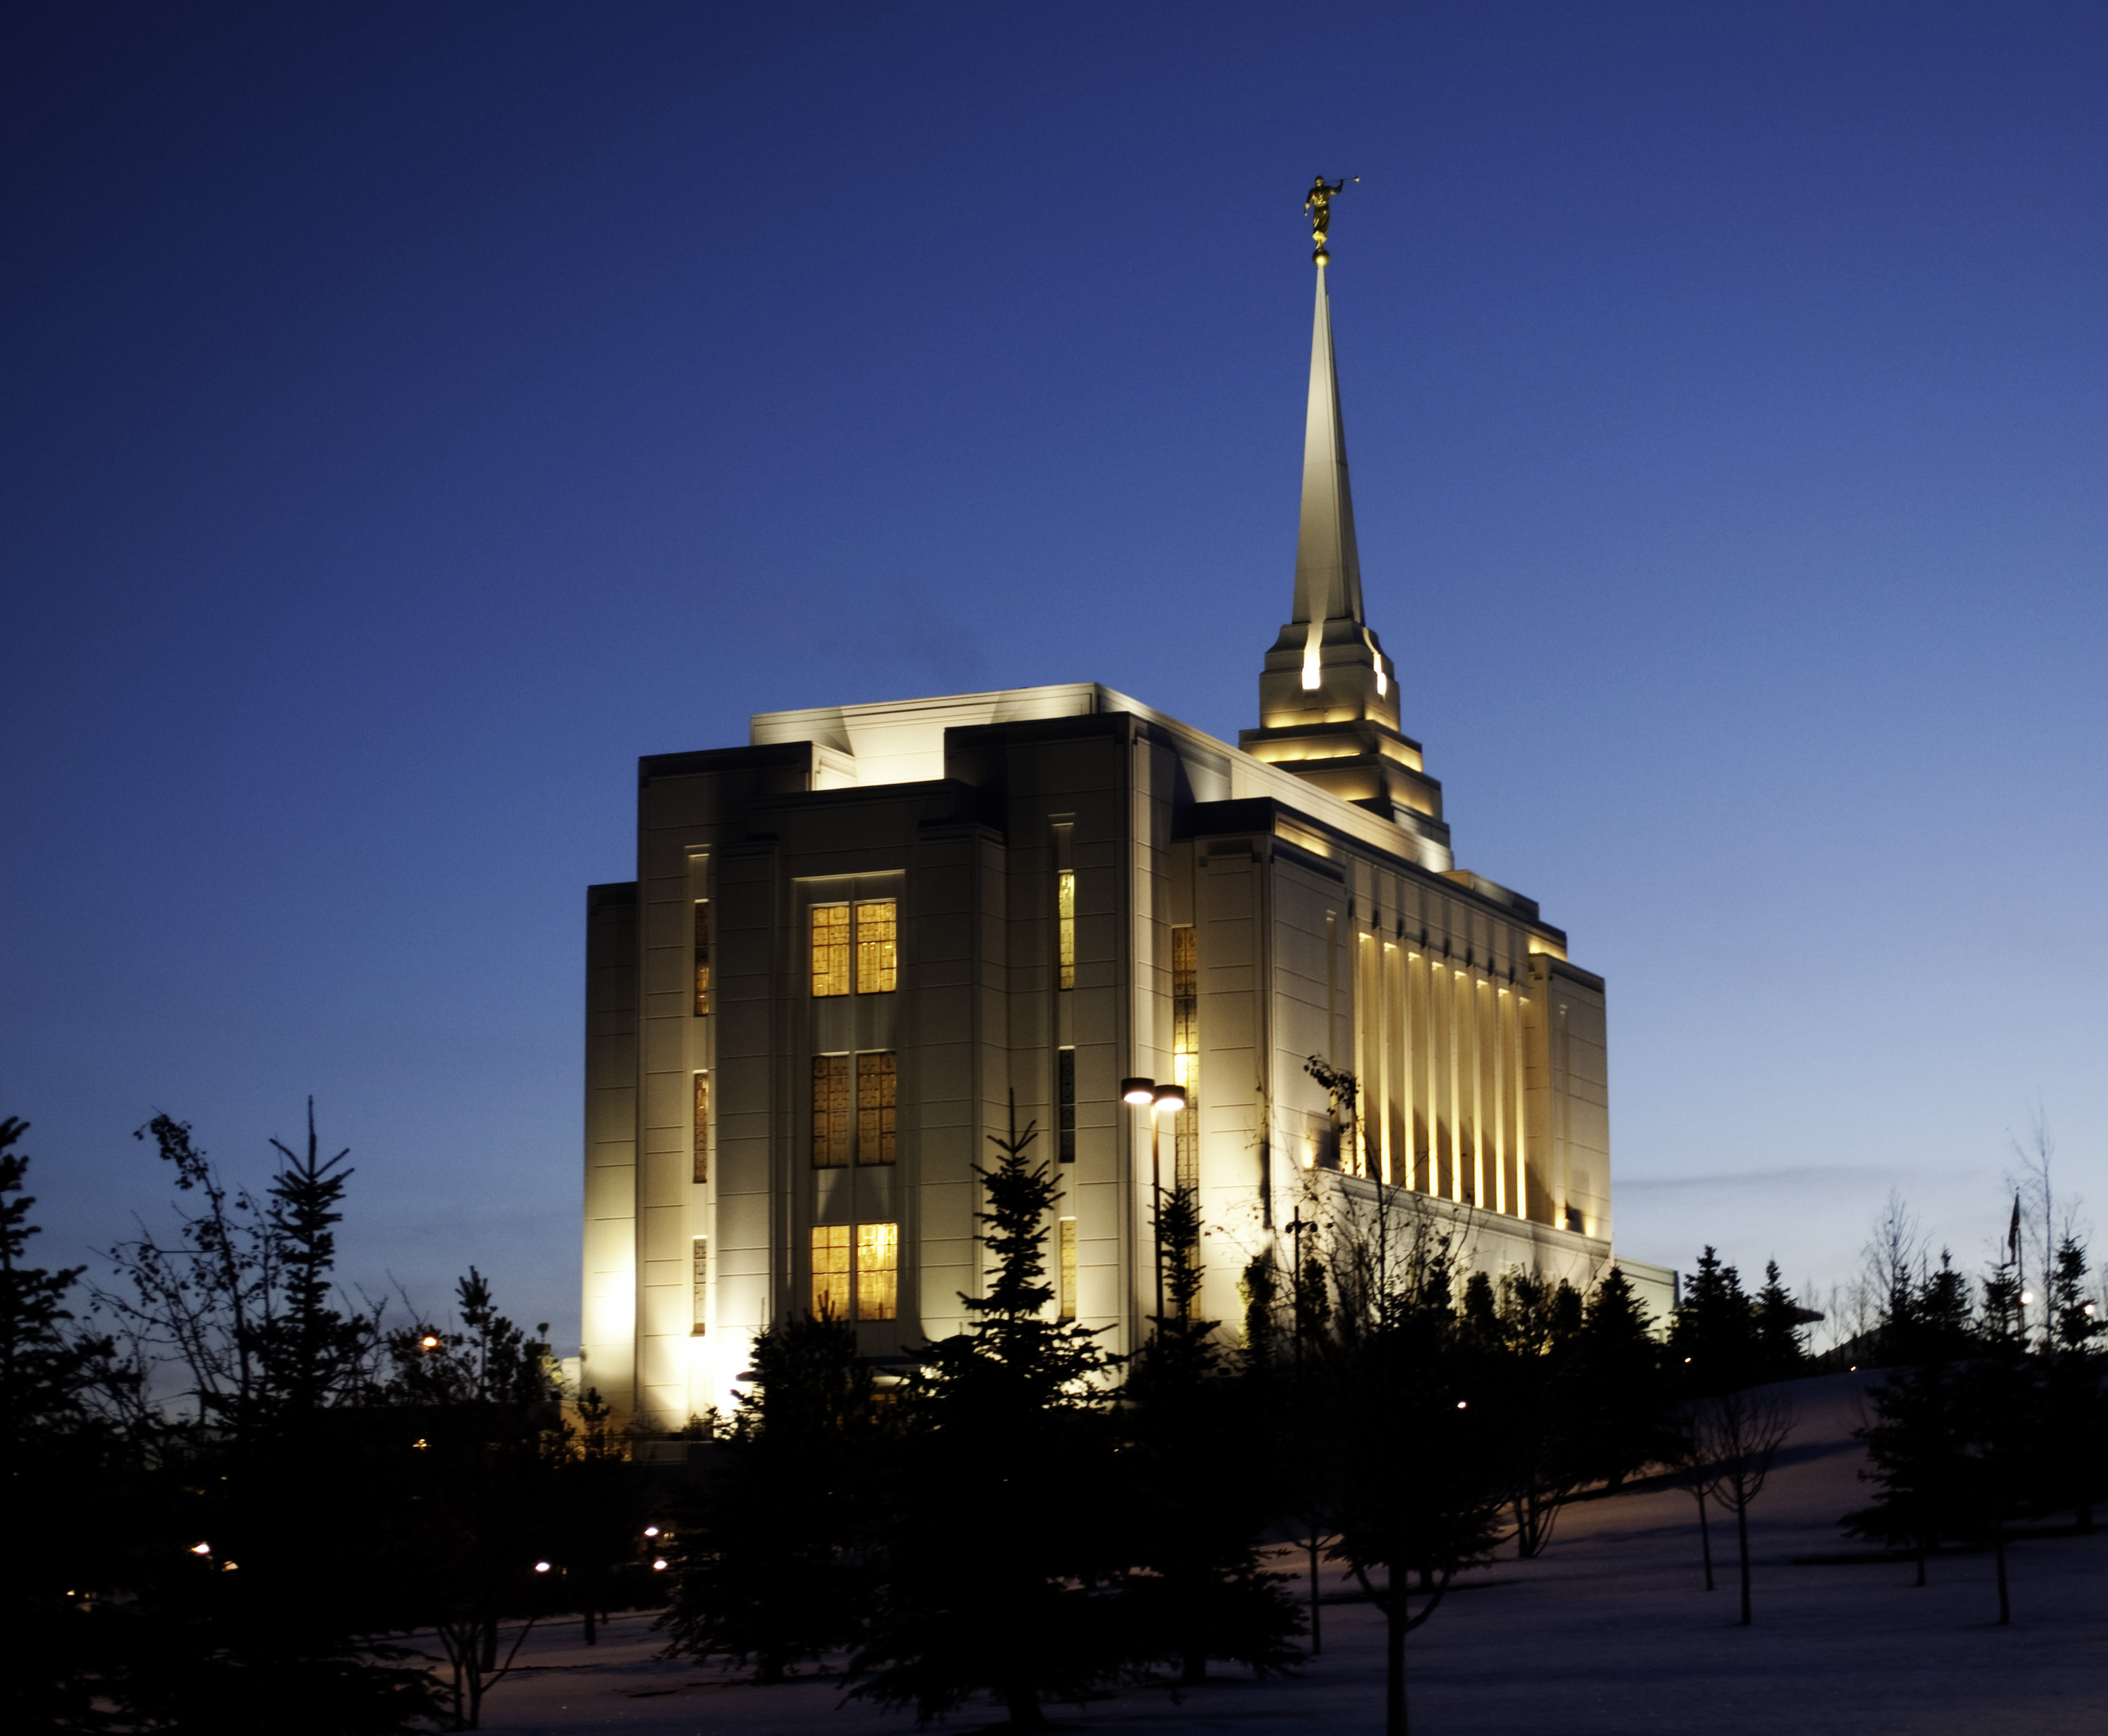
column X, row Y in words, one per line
column 1157, row 1098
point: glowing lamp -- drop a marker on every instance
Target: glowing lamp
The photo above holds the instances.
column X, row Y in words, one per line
column 660, row 1565
column 2026, row 1299
column 541, row 1567
column 200, row 1548
column 1139, row 1092
column 650, row 1530
column 430, row 1340
column 1170, row 1098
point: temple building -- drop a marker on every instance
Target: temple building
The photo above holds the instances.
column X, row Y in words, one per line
column 853, row 941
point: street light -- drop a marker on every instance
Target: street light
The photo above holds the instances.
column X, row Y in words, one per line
column 1158, row 1099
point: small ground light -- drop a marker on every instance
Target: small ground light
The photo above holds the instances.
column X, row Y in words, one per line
column 541, row 1567
column 200, row 1548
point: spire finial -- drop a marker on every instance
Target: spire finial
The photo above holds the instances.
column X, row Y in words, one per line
column 1317, row 207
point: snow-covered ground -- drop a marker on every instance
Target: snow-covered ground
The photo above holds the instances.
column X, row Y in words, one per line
column 1609, row 1631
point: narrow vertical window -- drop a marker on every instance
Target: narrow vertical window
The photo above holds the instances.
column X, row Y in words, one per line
column 830, row 950
column 877, row 1271
column 876, row 1085
column 1064, row 1090
column 699, row 1268
column 830, row 1272
column 1064, row 921
column 702, row 956
column 876, row 958
column 830, row 1111
column 1186, row 1053
column 1068, row 1291
column 699, row 1137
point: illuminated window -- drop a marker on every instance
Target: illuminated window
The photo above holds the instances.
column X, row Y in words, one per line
column 876, row 956
column 1186, row 1052
column 874, row 1086
column 1068, row 1292
column 1064, row 912
column 702, row 956
column 1064, row 1085
column 830, row 1111
column 830, row 1272
column 700, row 1135
column 830, row 950
column 877, row 1271
column 700, row 1263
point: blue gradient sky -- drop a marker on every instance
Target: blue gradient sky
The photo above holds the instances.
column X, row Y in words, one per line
column 413, row 415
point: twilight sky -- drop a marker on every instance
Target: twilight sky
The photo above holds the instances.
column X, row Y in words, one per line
column 412, row 415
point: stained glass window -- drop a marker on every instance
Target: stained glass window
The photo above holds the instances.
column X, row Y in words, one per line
column 876, row 956
column 1064, row 912
column 1068, row 1291
column 700, row 1264
column 830, row 949
column 1186, row 1052
column 830, row 1272
column 830, row 1111
column 1064, row 1087
column 877, row 1271
column 702, row 956
column 874, row 1087
column 701, row 1134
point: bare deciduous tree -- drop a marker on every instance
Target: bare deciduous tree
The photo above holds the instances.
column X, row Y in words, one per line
column 1735, row 1437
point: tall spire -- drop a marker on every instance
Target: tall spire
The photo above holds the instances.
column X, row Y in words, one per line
column 1328, row 566
column 1327, row 695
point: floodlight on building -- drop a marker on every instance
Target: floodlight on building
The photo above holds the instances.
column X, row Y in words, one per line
column 1138, row 1092
column 1171, row 1098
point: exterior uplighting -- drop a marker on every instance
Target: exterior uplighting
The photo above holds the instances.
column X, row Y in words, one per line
column 1139, row 1092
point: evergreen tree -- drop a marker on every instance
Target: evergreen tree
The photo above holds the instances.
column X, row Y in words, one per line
column 54, row 1457
column 2075, row 1412
column 1713, row 1333
column 764, row 1567
column 476, row 1478
column 1918, row 1444
column 260, row 1519
column 999, row 1415
column 1778, row 1322
column 1621, row 1392
column 1200, row 1511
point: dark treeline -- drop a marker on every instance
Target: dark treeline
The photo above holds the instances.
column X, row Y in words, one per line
column 241, row 1501
column 1991, row 1411
column 230, row 1494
